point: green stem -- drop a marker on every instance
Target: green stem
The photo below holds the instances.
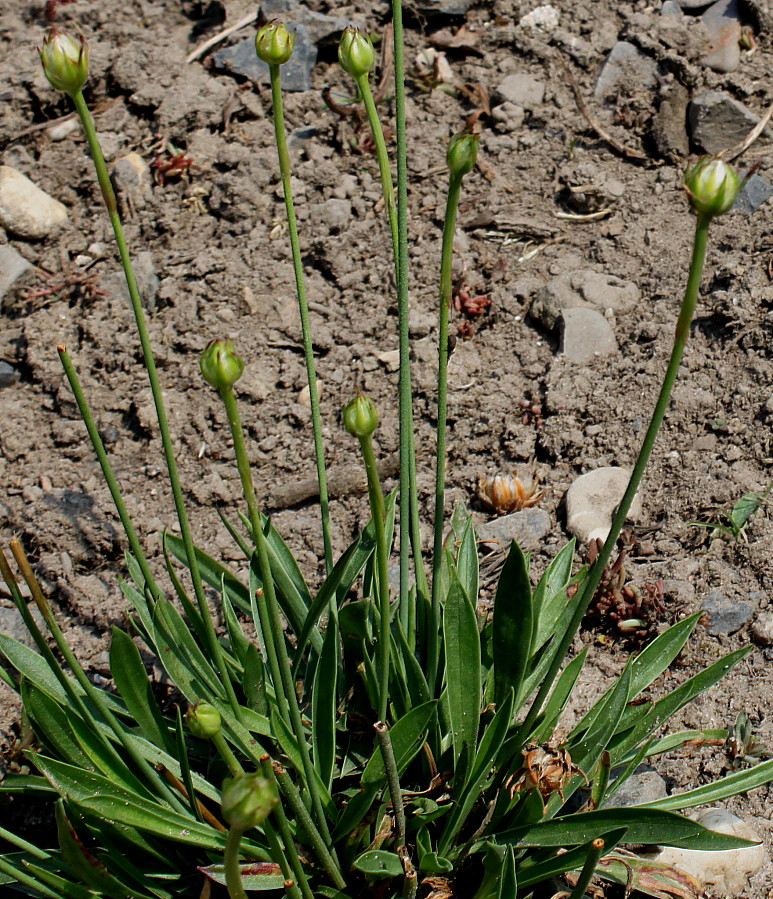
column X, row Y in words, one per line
column 273, row 633
column 226, row 754
column 596, row 570
column 446, row 259
column 233, row 874
column 107, row 471
column 280, row 852
column 393, row 779
column 108, row 194
column 303, row 307
column 378, row 513
column 588, row 869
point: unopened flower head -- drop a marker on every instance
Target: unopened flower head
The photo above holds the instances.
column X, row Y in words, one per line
column 247, row 800
column 274, row 43
column 65, row 61
column 219, row 364
column 712, row 186
column 462, row 153
column 203, row 720
column 360, row 416
column 355, row 52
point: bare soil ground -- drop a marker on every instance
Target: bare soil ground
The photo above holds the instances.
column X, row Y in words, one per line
column 214, row 241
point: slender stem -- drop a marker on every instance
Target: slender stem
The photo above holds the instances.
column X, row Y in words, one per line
column 108, row 195
column 107, row 471
column 303, row 307
column 233, row 874
column 280, row 852
column 446, row 259
column 226, row 754
column 377, row 511
column 273, row 633
column 686, row 313
column 393, row 779
column 588, row 869
column 405, row 412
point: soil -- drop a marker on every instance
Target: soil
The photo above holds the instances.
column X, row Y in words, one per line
column 216, row 263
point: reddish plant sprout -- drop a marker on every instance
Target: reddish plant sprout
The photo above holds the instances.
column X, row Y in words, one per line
column 50, row 9
column 170, row 162
column 531, row 412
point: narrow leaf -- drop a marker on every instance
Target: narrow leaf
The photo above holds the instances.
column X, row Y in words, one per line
column 513, row 624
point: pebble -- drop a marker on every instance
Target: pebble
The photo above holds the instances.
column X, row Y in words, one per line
column 295, row 75
column 25, row 209
column 671, row 8
column 444, row 7
column 12, row 266
column 336, row 214
column 725, row 870
column 753, row 194
column 717, row 121
column 391, row 359
column 147, row 280
column 592, row 499
column 63, row 129
column 722, row 21
column 304, row 395
column 644, row 785
column 131, row 175
column 762, row 629
column 8, row 375
column 728, row 614
column 526, row 527
column 625, row 65
column 586, row 336
column 577, row 289
column 521, row 90
column 692, row 4
column 541, row 18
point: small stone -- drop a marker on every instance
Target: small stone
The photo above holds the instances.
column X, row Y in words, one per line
column 444, row 7
column 31, row 493
column 25, row 209
column 526, row 527
column 391, row 359
column 542, row 18
column 592, row 499
column 8, row 375
column 692, row 4
column 12, row 266
column 717, row 121
column 131, row 175
column 304, row 395
column 586, row 336
column 671, row 8
column 644, row 785
column 336, row 214
column 63, row 129
column 727, row 614
column 295, row 75
column 147, row 280
column 762, row 629
column 625, row 65
column 753, row 194
column 520, row 89
column 12, row 625
column 573, row 290
column 725, row 870
column 723, row 24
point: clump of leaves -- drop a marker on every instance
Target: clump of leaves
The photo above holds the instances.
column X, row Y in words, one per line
column 733, row 522
column 743, row 746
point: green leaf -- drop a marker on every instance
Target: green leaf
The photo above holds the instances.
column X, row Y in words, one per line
column 558, row 699
column 132, row 682
column 462, row 647
column 378, row 864
column 513, row 625
column 256, row 876
column 730, row 785
column 432, row 863
column 212, row 572
column 540, row 871
column 743, row 510
column 550, row 594
column 50, row 723
column 254, row 681
column 407, row 736
column 466, row 555
column 325, row 705
column 653, row 660
column 508, row 885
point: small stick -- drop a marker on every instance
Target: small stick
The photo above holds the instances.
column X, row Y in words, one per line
column 752, row 136
column 388, row 754
column 221, row 36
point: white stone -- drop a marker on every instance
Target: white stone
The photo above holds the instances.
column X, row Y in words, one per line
column 542, row 18
column 727, row 870
column 587, row 335
column 304, row 395
column 391, row 359
column 63, row 129
column 592, row 499
column 26, row 210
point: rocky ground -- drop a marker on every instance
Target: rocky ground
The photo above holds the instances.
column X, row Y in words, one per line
column 571, row 255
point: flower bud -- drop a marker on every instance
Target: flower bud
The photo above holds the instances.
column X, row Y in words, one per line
column 712, row 186
column 274, row 43
column 247, row 800
column 203, row 720
column 462, row 153
column 220, row 365
column 65, row 61
column 360, row 416
column 355, row 52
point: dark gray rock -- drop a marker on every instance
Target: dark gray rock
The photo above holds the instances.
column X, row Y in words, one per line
column 8, row 375
column 625, row 65
column 317, row 26
column 717, row 121
column 644, row 785
column 727, row 614
column 753, row 194
column 295, row 75
column 12, row 266
column 722, row 21
column 526, row 527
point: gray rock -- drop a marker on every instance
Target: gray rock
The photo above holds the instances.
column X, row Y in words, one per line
column 8, row 375
column 336, row 214
column 521, row 90
column 727, row 614
column 12, row 624
column 723, row 24
column 693, row 4
column 586, row 336
column 644, row 785
column 295, row 75
column 668, row 123
column 671, row 8
column 12, row 266
column 318, row 26
column 625, row 65
column 444, row 7
column 592, row 499
column 753, row 194
column 147, row 280
column 717, row 121
column 578, row 289
column 725, row 870
column 131, row 175
column 526, row 527
column 762, row 629
column 25, row 209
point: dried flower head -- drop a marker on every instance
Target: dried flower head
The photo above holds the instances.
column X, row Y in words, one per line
column 546, row 767
column 508, row 493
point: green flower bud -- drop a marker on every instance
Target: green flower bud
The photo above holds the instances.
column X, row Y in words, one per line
column 712, row 186
column 274, row 43
column 220, row 365
column 355, row 52
column 203, row 720
column 247, row 800
column 360, row 416
column 65, row 61
column 462, row 153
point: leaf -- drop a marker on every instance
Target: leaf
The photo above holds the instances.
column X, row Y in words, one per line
column 508, row 885
column 407, row 736
column 466, row 554
column 51, row 726
column 462, row 647
column 550, row 594
column 255, row 876
column 212, row 572
column 132, row 682
column 558, row 699
column 743, row 510
column 730, row 785
column 513, row 625
column 541, row 870
column 325, row 705
column 378, row 864
column 648, row 876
